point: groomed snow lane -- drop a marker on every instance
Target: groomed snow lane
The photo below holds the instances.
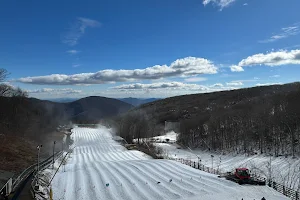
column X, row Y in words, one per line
column 100, row 168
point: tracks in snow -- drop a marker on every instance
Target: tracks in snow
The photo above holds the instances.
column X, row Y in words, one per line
column 97, row 161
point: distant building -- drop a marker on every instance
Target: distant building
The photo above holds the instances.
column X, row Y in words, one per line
column 5, row 182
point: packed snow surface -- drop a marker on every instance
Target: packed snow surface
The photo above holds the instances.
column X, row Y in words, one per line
column 284, row 170
column 100, row 168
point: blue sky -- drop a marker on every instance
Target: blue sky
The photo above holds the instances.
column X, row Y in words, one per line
column 156, row 48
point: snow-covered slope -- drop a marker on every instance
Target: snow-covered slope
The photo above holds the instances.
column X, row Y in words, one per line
column 100, row 168
column 284, row 170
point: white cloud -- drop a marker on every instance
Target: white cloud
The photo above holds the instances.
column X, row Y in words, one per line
column 282, row 57
column 233, row 83
column 217, row 85
column 275, row 76
column 284, row 33
column 139, row 90
column 195, row 79
column 189, row 66
column 55, row 91
column 163, row 85
column 77, row 30
column 245, row 4
column 172, row 87
column 265, row 84
column 236, row 68
column 220, row 3
column 73, row 52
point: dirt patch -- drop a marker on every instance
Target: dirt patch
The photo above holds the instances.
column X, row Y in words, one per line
column 16, row 153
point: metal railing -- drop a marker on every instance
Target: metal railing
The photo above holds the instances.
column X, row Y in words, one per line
column 23, row 176
column 34, row 191
column 21, row 180
column 32, row 168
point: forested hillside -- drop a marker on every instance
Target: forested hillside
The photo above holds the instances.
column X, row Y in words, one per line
column 29, row 117
column 28, row 122
column 264, row 119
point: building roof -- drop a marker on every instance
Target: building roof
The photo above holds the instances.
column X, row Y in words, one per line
column 4, row 177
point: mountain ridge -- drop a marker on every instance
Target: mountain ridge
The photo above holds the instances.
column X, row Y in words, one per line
column 138, row 101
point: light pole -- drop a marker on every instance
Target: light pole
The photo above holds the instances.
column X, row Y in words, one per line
column 219, row 163
column 270, row 178
column 53, row 153
column 199, row 162
column 270, row 167
column 199, row 159
column 38, row 161
column 212, row 161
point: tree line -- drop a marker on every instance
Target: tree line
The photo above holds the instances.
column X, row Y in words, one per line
column 269, row 124
column 252, row 120
column 27, row 117
column 135, row 125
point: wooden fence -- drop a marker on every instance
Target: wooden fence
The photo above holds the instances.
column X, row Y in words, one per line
column 292, row 194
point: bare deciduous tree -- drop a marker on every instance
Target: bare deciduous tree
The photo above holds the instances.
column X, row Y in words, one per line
column 5, row 90
column 3, row 74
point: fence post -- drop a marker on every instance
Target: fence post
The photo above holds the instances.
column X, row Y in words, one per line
column 297, row 195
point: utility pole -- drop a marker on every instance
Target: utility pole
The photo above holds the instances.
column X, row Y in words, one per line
column 53, row 153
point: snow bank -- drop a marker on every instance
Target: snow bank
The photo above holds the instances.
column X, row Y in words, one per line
column 168, row 137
